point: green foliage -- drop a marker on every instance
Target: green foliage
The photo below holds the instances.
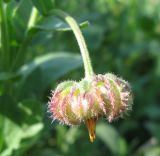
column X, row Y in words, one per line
column 38, row 50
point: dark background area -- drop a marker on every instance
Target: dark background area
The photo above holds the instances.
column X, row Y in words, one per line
column 38, row 51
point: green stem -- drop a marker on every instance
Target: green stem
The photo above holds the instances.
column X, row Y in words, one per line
column 4, row 36
column 80, row 39
column 33, row 18
column 19, row 58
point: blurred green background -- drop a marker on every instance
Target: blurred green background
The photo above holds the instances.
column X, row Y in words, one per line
column 38, row 50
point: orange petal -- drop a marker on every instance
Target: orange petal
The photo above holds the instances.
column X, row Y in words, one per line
column 91, row 125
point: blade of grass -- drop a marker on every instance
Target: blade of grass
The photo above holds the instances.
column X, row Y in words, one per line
column 20, row 57
column 4, row 37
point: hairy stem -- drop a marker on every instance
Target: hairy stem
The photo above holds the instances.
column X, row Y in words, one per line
column 80, row 39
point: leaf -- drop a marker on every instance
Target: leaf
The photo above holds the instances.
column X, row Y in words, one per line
column 38, row 74
column 4, row 76
column 28, row 111
column 152, row 111
column 48, row 152
column 112, row 139
column 14, row 134
column 21, row 123
column 151, row 148
column 31, row 85
column 29, row 108
column 21, row 18
column 71, row 135
column 43, row 6
column 154, row 129
column 6, row 1
column 51, row 23
column 12, row 113
column 152, row 151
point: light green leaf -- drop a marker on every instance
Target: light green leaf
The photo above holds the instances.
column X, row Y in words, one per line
column 14, row 134
column 20, row 123
column 112, row 139
column 153, row 151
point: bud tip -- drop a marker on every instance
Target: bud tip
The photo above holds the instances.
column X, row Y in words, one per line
column 91, row 125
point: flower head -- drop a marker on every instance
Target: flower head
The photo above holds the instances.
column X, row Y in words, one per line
column 104, row 96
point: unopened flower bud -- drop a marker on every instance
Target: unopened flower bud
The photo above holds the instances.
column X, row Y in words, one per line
column 104, row 96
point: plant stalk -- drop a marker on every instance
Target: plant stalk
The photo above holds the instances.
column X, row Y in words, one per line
column 4, row 36
column 80, row 39
column 18, row 61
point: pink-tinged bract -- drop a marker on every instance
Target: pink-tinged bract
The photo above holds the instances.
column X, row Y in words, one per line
column 104, row 96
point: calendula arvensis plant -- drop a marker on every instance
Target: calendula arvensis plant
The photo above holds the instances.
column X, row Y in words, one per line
column 95, row 96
